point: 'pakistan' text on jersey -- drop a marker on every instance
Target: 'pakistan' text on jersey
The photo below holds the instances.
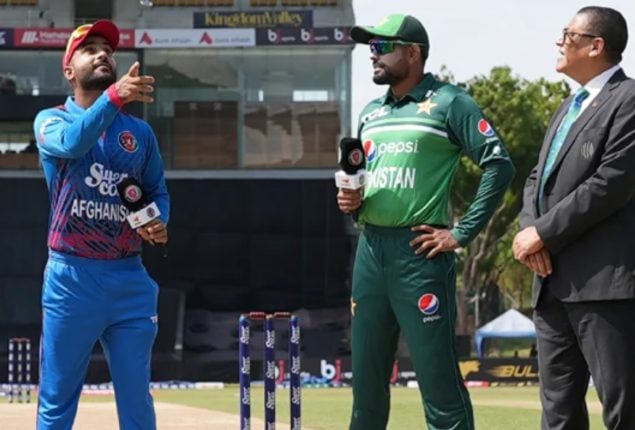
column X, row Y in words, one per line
column 85, row 153
column 413, row 146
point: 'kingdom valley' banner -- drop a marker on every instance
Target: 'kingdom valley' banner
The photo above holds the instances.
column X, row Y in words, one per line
column 278, row 18
column 303, row 36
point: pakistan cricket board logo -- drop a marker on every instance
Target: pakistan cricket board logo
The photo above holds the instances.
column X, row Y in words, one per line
column 127, row 141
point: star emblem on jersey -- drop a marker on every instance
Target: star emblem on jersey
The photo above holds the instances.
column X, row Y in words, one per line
column 426, row 107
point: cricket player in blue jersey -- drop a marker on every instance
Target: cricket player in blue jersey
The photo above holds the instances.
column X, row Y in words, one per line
column 95, row 285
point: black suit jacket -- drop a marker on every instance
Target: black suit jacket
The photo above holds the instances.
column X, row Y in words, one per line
column 588, row 221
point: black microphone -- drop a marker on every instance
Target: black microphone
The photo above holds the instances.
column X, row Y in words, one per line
column 136, row 201
column 352, row 163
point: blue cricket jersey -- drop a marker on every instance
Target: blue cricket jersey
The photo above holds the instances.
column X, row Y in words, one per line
column 85, row 153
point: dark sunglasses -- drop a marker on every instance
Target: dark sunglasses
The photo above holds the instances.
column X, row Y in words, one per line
column 382, row 47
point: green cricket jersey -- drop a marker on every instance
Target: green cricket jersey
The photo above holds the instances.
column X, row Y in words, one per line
column 413, row 146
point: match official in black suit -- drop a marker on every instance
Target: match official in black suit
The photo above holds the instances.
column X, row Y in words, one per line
column 578, row 231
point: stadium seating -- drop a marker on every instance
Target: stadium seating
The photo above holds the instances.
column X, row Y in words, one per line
column 191, row 2
column 196, row 3
column 268, row 3
column 18, row 2
column 308, row 2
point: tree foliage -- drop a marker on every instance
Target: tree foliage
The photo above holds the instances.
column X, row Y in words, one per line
column 520, row 111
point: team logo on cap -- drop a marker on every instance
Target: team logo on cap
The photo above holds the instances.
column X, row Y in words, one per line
column 78, row 33
column 428, row 304
column 127, row 141
column 370, row 149
column 383, row 21
column 485, row 128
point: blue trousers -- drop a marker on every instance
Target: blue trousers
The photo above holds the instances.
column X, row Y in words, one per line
column 83, row 301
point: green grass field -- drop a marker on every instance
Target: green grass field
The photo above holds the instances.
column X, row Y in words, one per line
column 496, row 408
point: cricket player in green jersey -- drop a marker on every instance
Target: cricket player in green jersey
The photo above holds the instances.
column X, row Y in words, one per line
column 404, row 275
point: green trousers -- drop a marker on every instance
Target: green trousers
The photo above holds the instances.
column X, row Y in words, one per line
column 396, row 291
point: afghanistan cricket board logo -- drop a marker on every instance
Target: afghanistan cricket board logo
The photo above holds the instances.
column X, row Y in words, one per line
column 128, row 142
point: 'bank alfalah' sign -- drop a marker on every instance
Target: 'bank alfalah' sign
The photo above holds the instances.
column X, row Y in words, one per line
column 278, row 18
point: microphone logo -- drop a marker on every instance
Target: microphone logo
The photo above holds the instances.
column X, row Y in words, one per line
column 352, row 161
column 356, row 157
column 132, row 193
column 133, row 198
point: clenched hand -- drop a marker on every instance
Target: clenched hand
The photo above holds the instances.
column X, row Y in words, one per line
column 154, row 232
column 349, row 200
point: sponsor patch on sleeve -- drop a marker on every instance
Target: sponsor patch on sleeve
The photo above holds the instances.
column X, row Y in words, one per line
column 45, row 124
column 485, row 128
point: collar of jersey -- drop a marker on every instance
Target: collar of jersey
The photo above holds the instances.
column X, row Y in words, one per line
column 73, row 107
column 416, row 94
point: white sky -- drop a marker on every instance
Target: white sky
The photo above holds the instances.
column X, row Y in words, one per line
column 470, row 37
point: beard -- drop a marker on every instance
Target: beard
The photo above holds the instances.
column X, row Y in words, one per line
column 386, row 77
column 97, row 82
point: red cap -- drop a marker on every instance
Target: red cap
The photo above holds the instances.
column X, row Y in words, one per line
column 103, row 27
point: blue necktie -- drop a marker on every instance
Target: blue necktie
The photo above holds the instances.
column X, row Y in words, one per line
column 561, row 134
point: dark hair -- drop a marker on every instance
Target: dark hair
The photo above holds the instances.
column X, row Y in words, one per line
column 423, row 53
column 610, row 25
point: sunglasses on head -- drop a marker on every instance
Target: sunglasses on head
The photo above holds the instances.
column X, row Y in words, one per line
column 381, row 47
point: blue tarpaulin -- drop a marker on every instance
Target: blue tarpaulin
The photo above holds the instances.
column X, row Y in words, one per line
column 511, row 324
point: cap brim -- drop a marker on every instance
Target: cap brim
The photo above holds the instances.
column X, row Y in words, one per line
column 364, row 34
column 107, row 30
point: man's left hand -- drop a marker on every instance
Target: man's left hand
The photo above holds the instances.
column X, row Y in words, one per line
column 539, row 263
column 527, row 242
column 436, row 239
column 154, row 232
